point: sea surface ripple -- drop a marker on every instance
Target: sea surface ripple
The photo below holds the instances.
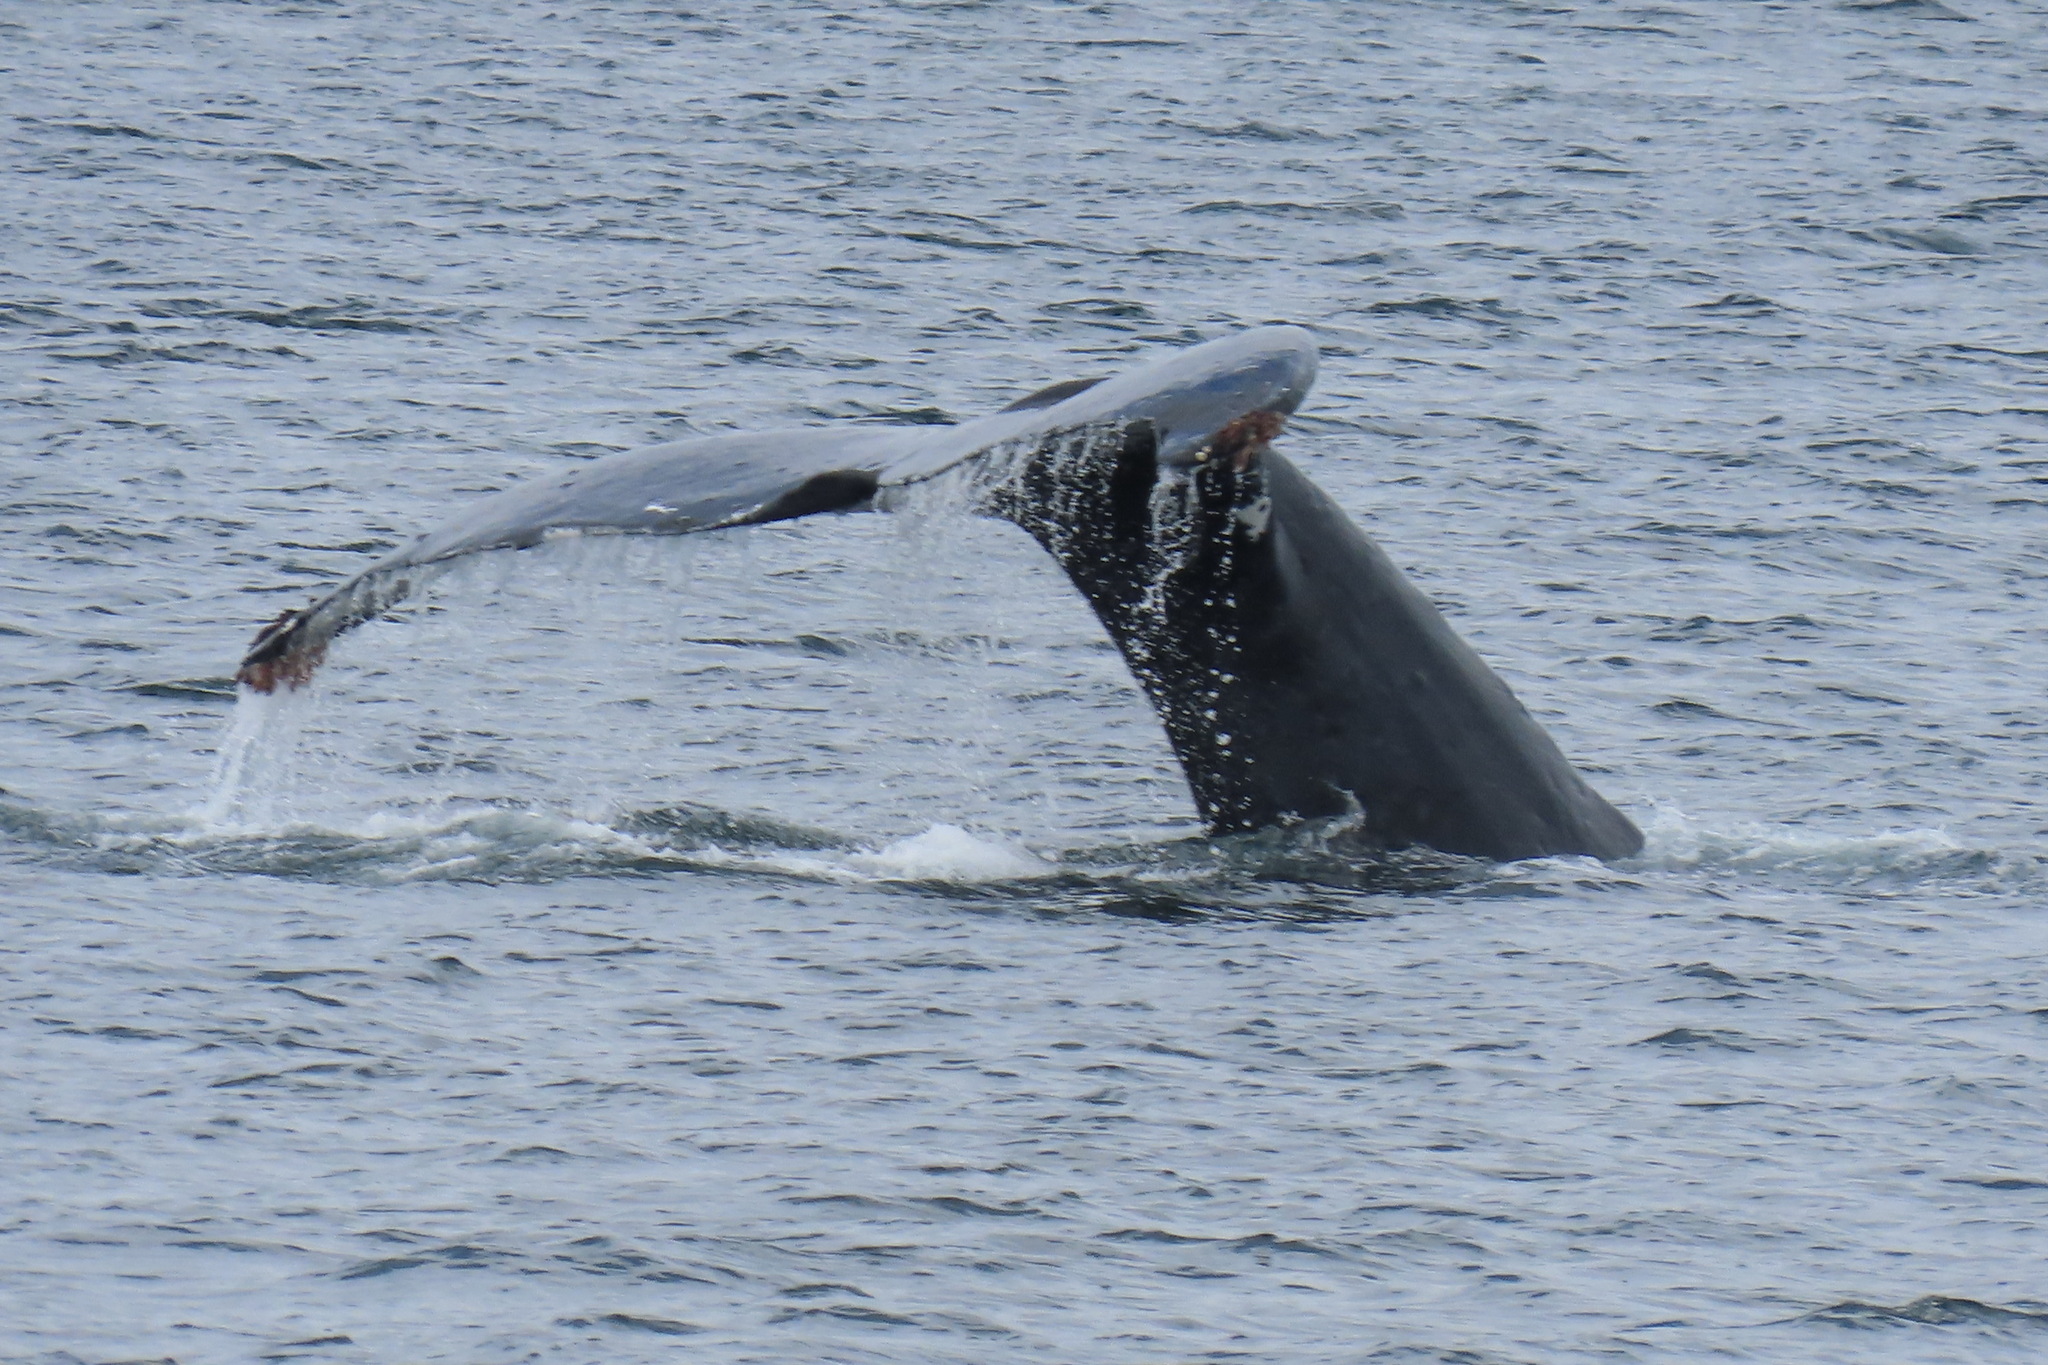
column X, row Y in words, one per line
column 799, row 945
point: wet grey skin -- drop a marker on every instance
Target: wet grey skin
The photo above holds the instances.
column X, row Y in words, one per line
column 1298, row 673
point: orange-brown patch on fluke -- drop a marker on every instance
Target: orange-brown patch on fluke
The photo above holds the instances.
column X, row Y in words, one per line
column 276, row 655
column 1239, row 439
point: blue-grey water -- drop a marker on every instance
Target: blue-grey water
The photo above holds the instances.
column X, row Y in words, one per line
column 798, row 945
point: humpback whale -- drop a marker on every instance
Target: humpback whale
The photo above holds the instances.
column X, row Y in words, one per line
column 1298, row 673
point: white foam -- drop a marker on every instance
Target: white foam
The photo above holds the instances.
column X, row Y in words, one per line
column 460, row 840
column 948, row 853
column 1677, row 842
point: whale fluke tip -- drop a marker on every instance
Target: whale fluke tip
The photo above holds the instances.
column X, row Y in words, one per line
column 280, row 654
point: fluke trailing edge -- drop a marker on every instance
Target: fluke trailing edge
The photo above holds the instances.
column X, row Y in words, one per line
column 1297, row 672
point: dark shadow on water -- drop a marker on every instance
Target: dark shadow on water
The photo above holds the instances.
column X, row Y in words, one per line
column 1309, row 873
column 1071, row 895
column 1932, row 1310
column 688, row 824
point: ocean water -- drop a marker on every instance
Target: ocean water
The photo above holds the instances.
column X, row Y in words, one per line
column 798, row 945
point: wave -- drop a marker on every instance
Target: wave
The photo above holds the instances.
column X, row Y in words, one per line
column 1898, row 859
column 508, row 842
column 1306, row 870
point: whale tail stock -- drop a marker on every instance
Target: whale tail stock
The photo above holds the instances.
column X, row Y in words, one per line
column 1297, row 672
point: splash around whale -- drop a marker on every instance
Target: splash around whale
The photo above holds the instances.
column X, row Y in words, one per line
column 1297, row 672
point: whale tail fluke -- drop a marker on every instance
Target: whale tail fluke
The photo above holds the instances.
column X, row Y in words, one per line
column 1298, row 673
column 676, row 489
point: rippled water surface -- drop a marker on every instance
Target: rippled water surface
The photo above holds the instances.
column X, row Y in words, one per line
column 799, row 944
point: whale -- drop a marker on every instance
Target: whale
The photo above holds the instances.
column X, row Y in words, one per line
column 1298, row 673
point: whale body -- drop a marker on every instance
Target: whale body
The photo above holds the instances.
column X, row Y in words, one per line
column 1297, row 671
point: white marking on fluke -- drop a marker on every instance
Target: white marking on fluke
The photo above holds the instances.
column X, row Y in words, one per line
column 1255, row 517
